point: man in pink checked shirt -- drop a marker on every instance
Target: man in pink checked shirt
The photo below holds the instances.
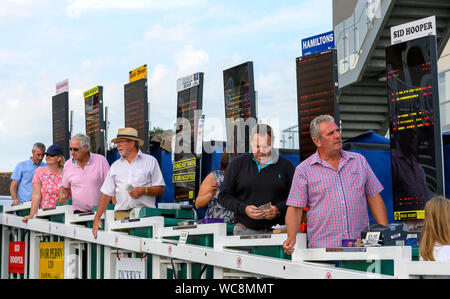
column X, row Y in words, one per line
column 336, row 186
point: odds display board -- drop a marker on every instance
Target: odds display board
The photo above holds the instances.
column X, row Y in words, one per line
column 60, row 121
column 240, row 106
column 317, row 94
column 95, row 124
column 186, row 165
column 136, row 109
column 415, row 134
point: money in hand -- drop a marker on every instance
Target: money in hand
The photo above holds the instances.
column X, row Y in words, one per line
column 265, row 206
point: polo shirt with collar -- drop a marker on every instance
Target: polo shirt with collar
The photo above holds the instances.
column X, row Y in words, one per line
column 23, row 174
column 85, row 183
column 143, row 171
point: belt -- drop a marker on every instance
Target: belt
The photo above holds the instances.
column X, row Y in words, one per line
column 265, row 230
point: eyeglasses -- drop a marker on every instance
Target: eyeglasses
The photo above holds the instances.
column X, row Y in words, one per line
column 75, row 149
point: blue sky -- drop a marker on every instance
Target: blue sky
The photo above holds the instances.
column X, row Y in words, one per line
column 97, row 42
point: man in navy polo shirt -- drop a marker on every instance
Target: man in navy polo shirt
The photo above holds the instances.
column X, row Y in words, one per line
column 21, row 187
column 257, row 184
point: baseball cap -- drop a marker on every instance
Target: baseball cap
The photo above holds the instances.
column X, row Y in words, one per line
column 54, row 150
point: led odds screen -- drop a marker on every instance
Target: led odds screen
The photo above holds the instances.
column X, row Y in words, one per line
column 136, row 109
column 186, row 170
column 95, row 125
column 240, row 106
column 416, row 151
column 60, row 121
column 317, row 91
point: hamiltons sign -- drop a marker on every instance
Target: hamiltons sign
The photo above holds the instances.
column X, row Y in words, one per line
column 318, row 43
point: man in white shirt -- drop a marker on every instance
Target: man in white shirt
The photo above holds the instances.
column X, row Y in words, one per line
column 135, row 179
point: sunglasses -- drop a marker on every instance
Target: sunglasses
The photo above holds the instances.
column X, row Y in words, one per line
column 48, row 155
column 75, row 149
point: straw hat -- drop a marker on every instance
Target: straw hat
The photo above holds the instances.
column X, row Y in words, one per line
column 128, row 133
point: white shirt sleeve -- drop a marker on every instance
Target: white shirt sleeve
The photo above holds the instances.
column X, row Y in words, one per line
column 156, row 175
column 109, row 185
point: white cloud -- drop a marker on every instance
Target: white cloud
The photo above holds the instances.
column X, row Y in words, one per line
column 180, row 32
column 75, row 7
column 22, row 8
column 15, row 57
column 190, row 60
column 25, row 118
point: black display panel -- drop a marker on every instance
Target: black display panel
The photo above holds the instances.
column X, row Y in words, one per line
column 95, row 124
column 240, row 106
column 186, row 166
column 60, row 121
column 136, row 110
column 415, row 135
column 317, row 94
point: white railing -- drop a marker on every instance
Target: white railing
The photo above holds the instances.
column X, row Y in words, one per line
column 225, row 256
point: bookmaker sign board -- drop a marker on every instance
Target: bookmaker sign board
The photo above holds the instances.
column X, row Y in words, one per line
column 60, row 121
column 187, row 151
column 413, row 30
column 318, row 43
column 95, row 125
column 136, row 105
column 414, row 126
column 240, row 107
column 317, row 94
column 51, row 260
column 16, row 261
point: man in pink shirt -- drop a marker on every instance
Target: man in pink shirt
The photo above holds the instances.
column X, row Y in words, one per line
column 336, row 186
column 83, row 175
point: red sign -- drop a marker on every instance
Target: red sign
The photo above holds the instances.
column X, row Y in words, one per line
column 16, row 259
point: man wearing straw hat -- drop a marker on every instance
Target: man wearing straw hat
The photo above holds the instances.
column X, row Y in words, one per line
column 135, row 179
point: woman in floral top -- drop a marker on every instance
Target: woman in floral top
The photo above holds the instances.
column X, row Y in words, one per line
column 209, row 192
column 47, row 181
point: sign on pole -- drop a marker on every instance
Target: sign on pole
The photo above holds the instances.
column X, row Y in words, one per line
column 413, row 30
column 16, row 261
column 318, row 43
column 131, row 268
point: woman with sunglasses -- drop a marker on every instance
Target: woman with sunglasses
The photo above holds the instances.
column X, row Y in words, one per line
column 47, row 181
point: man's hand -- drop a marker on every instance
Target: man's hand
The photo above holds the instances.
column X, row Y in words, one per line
column 137, row 192
column 288, row 245
column 271, row 213
column 254, row 213
column 15, row 202
column 25, row 218
column 62, row 195
column 97, row 224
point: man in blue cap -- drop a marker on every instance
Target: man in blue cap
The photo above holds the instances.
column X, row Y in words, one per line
column 21, row 187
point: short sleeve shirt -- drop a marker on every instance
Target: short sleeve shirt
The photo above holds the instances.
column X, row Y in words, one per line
column 143, row 171
column 23, row 173
column 336, row 199
column 50, row 183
